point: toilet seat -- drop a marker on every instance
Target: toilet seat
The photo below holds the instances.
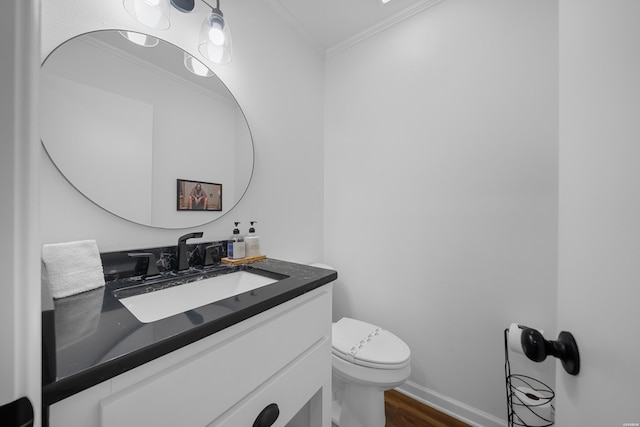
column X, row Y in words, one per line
column 368, row 345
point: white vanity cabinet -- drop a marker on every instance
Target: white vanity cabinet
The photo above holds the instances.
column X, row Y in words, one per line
column 281, row 356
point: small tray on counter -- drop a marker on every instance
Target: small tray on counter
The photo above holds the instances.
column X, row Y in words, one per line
column 245, row 260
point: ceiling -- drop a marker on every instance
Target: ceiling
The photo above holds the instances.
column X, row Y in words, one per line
column 332, row 25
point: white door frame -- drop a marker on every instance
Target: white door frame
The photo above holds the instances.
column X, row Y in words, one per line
column 20, row 328
column 599, row 223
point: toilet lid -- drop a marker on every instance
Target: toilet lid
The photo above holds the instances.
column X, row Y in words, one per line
column 368, row 345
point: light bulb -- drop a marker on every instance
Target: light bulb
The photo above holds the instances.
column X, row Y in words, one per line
column 216, row 29
column 216, row 36
column 147, row 13
column 152, row 13
column 215, row 39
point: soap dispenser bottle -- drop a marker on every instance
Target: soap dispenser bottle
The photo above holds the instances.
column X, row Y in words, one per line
column 252, row 242
column 235, row 246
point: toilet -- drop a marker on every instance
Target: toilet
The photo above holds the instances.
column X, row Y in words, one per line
column 366, row 360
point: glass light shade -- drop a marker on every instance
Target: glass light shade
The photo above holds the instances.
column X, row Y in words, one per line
column 150, row 13
column 196, row 67
column 214, row 42
column 140, row 39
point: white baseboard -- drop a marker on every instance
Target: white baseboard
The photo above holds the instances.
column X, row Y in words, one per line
column 449, row 406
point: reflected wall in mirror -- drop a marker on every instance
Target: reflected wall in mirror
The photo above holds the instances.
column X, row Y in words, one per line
column 122, row 122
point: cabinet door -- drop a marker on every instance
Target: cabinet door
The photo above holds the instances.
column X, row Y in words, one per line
column 290, row 389
column 80, row 410
column 202, row 388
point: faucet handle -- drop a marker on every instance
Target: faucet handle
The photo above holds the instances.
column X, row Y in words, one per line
column 212, row 253
column 152, row 268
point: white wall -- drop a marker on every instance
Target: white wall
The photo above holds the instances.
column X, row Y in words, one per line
column 277, row 80
column 441, row 191
column 598, row 290
column 68, row 124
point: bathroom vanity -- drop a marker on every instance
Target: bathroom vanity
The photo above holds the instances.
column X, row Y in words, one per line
column 228, row 363
column 238, row 359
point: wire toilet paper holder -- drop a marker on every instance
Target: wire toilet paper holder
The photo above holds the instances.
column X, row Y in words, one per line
column 530, row 402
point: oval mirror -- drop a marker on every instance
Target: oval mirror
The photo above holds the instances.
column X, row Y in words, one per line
column 135, row 132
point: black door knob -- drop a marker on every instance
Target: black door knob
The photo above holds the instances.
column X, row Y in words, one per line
column 268, row 416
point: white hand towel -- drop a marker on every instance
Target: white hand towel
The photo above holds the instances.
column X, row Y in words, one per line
column 73, row 267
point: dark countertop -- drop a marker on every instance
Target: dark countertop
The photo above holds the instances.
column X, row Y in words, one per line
column 97, row 338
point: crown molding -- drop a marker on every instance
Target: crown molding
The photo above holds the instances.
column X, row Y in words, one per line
column 297, row 27
column 355, row 39
column 378, row 28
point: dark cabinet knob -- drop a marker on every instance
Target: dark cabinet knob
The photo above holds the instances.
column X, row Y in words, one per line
column 268, row 416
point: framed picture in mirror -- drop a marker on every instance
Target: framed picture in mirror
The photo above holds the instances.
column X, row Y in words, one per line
column 198, row 196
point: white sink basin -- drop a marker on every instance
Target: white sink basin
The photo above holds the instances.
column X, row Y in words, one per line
column 152, row 306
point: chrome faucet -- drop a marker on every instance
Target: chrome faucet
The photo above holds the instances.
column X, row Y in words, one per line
column 183, row 262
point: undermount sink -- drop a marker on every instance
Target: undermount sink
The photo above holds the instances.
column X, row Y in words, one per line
column 158, row 304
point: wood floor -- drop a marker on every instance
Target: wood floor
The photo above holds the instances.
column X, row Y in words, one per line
column 402, row 411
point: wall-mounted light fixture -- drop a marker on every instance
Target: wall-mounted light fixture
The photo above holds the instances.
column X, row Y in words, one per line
column 184, row 6
column 214, row 40
column 150, row 13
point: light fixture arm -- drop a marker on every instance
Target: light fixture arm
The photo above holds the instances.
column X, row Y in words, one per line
column 214, row 9
column 215, row 36
column 214, row 41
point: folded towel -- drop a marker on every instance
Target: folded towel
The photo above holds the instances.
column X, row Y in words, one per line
column 77, row 317
column 73, row 267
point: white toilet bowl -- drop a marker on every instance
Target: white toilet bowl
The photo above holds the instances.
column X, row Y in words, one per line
column 367, row 360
